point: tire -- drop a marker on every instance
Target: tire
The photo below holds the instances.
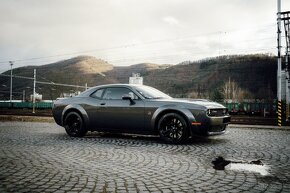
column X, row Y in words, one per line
column 74, row 125
column 173, row 128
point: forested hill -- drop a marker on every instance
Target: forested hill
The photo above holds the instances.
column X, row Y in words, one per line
column 235, row 76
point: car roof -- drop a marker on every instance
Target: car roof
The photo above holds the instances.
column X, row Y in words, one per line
column 120, row 85
column 89, row 91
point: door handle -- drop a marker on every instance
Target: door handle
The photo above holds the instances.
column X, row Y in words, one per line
column 102, row 103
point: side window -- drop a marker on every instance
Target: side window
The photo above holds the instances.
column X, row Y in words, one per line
column 98, row 94
column 133, row 96
column 118, row 93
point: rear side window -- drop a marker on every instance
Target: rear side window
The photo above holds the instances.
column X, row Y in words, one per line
column 117, row 93
column 98, row 94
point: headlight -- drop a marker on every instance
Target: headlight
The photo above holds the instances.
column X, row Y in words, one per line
column 208, row 112
column 216, row 112
column 225, row 111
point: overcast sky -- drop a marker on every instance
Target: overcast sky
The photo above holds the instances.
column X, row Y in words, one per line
column 126, row 32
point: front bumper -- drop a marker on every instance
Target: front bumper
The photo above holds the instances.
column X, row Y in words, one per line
column 217, row 130
column 211, row 126
column 218, row 125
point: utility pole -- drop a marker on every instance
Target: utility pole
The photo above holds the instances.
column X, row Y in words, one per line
column 285, row 17
column 11, row 64
column 23, row 96
column 279, row 86
column 34, row 82
column 287, row 86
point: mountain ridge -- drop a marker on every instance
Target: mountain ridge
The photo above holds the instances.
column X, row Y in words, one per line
column 251, row 74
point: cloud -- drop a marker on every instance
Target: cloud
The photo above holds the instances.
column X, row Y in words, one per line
column 170, row 20
column 34, row 28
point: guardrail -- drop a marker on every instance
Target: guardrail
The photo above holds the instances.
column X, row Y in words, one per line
column 253, row 108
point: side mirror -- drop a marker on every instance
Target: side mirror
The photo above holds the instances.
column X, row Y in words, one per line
column 128, row 97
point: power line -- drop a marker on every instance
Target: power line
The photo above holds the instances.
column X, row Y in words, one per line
column 127, row 45
column 41, row 82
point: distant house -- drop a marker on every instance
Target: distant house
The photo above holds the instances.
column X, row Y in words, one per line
column 67, row 95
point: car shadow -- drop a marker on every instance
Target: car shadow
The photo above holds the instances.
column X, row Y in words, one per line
column 121, row 136
column 153, row 138
column 208, row 140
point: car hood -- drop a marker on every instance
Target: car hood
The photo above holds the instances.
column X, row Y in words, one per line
column 203, row 103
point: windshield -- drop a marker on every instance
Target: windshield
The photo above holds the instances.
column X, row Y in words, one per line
column 151, row 93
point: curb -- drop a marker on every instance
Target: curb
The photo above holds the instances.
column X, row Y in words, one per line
column 12, row 118
column 259, row 127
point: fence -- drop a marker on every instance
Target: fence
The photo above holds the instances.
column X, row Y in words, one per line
column 24, row 105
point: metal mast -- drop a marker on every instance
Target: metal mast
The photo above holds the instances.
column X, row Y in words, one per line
column 33, row 97
column 279, row 88
column 11, row 85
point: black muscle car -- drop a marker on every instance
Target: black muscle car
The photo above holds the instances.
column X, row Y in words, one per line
column 139, row 109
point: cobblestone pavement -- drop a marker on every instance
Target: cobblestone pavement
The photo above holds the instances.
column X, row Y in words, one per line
column 40, row 157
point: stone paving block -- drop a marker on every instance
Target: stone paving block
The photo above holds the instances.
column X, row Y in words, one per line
column 39, row 157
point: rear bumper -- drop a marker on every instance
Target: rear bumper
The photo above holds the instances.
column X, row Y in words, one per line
column 57, row 115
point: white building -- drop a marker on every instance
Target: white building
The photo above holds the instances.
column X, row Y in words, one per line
column 38, row 97
column 283, row 86
column 136, row 79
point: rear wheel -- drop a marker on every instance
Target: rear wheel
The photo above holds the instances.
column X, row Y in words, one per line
column 74, row 125
column 173, row 128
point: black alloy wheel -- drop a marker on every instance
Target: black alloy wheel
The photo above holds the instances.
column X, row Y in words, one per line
column 74, row 125
column 173, row 128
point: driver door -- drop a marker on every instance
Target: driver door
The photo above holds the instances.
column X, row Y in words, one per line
column 119, row 114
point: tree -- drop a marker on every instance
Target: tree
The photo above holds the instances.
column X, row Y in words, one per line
column 217, row 95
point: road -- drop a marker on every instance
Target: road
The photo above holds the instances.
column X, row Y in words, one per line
column 40, row 157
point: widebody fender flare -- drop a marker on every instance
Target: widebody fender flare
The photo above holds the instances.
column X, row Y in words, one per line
column 76, row 108
column 172, row 108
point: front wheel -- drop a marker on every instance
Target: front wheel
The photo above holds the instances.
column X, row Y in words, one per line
column 74, row 125
column 173, row 128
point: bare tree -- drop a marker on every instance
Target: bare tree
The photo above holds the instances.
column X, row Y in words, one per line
column 231, row 90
